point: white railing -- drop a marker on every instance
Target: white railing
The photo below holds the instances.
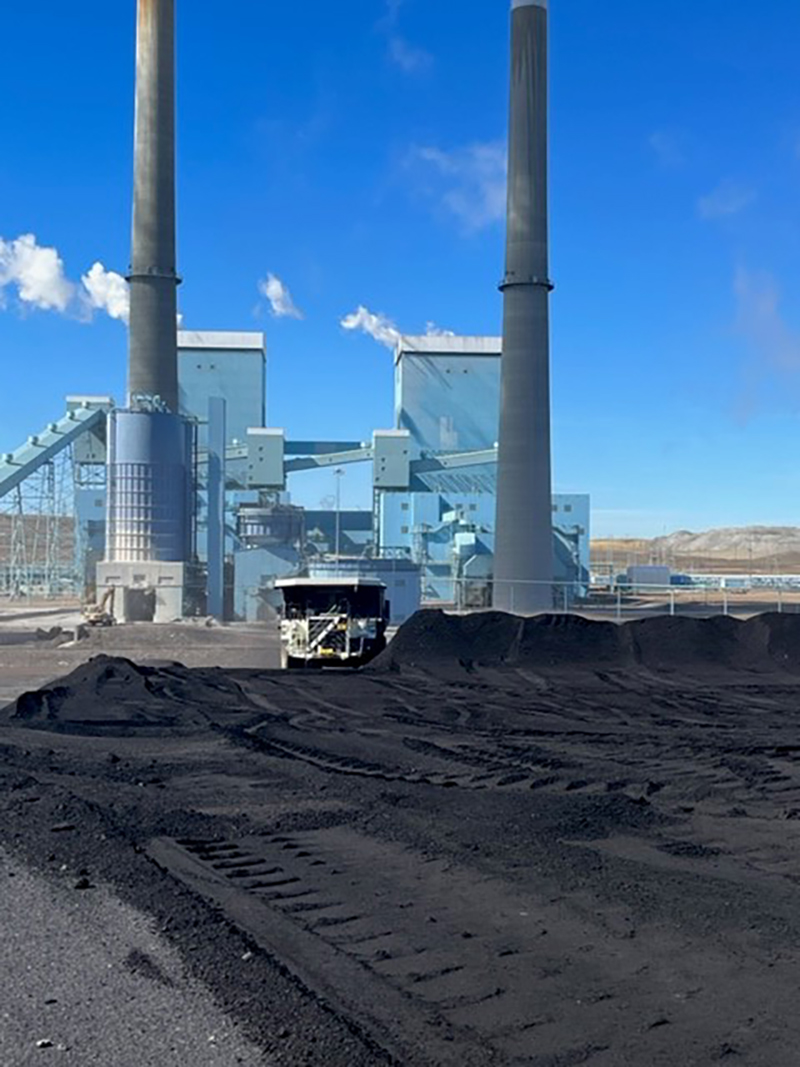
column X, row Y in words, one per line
column 619, row 603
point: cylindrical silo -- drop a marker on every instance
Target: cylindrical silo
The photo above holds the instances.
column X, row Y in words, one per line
column 149, row 488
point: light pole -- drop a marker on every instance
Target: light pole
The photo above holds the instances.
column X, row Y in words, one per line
column 339, row 473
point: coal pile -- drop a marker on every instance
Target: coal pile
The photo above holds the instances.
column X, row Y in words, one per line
column 434, row 638
column 438, row 643
column 110, row 693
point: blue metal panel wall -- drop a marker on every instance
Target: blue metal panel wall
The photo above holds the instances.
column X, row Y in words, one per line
column 572, row 514
column 239, row 377
column 255, row 572
column 449, row 403
column 90, row 535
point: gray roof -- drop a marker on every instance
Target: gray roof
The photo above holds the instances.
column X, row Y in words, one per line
column 221, row 340
column 444, row 345
column 343, row 583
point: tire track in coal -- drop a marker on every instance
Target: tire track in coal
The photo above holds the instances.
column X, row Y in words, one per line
column 326, row 942
column 377, row 927
column 495, row 774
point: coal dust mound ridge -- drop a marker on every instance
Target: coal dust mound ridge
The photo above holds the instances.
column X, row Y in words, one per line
column 435, row 642
column 110, row 693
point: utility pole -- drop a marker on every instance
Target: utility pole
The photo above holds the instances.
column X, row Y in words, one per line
column 339, row 473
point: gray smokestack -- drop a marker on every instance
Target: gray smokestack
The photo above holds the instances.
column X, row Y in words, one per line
column 153, row 360
column 524, row 534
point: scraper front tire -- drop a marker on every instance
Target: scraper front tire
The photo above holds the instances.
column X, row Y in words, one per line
column 291, row 663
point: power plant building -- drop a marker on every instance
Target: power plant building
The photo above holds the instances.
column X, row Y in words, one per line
column 447, row 397
column 182, row 494
column 447, row 392
column 230, row 365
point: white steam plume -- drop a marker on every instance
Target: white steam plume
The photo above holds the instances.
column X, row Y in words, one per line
column 37, row 276
column 279, row 297
column 105, row 290
column 377, row 326
column 432, row 330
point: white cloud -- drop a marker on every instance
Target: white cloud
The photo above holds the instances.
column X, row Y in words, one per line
column 471, row 182
column 36, row 273
column 729, row 198
column 40, row 281
column 105, row 290
column 279, row 297
column 377, row 326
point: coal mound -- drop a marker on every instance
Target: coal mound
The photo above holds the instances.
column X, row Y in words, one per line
column 552, row 640
column 668, row 644
column 437, row 643
column 484, row 639
column 109, row 693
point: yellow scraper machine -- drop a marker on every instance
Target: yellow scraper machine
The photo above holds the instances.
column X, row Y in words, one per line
column 332, row 622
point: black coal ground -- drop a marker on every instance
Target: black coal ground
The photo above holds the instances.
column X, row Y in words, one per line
column 545, row 843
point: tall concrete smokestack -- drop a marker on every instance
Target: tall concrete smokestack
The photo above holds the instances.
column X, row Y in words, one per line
column 524, row 536
column 149, row 469
column 153, row 358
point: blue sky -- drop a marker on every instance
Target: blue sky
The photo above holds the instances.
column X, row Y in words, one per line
column 356, row 152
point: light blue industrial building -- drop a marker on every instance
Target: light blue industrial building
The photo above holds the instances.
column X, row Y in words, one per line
column 447, row 397
column 232, row 366
column 434, row 475
column 229, row 365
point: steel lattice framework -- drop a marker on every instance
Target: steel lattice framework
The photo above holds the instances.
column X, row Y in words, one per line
column 37, row 532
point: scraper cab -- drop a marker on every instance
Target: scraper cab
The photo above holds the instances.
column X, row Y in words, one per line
column 335, row 622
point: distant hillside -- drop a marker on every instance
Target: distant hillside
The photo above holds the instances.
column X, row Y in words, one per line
column 759, row 542
column 737, row 549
